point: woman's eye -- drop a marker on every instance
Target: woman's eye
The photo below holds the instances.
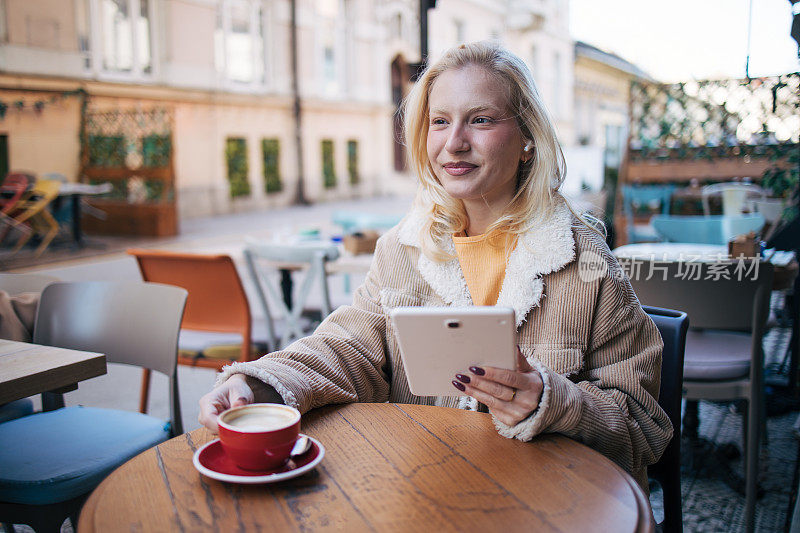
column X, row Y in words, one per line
column 438, row 121
column 482, row 120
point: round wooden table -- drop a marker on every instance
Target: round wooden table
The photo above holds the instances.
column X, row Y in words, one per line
column 388, row 467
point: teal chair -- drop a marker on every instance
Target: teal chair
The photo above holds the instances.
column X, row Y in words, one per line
column 718, row 229
column 352, row 222
column 51, row 461
column 648, row 198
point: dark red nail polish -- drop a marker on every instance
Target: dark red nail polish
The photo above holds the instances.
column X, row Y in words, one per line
column 478, row 371
column 462, row 378
column 459, row 386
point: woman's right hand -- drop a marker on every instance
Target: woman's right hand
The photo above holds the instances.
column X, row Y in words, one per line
column 233, row 392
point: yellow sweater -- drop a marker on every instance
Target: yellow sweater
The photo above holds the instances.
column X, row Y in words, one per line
column 483, row 261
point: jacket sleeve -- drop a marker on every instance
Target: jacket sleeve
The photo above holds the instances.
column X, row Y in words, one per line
column 343, row 361
column 611, row 404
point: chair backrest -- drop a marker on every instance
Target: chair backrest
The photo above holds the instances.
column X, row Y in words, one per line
column 649, row 199
column 132, row 323
column 672, row 325
column 656, row 197
column 716, row 295
column 717, row 229
column 262, row 257
column 351, row 221
column 19, row 283
column 217, row 300
column 734, row 196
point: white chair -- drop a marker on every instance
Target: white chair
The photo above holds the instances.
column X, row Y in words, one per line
column 51, row 461
column 736, row 197
column 18, row 283
column 14, row 284
column 728, row 306
column 264, row 259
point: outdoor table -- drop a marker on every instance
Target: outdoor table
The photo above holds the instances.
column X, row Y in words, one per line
column 75, row 191
column 28, row 369
column 785, row 263
column 388, row 467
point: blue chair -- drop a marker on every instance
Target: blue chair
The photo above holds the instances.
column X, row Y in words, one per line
column 651, row 198
column 51, row 461
column 717, row 229
column 673, row 326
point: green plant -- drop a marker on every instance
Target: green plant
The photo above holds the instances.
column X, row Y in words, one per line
column 328, row 168
column 352, row 162
column 270, row 153
column 236, row 159
column 107, row 151
column 783, row 177
column 156, row 150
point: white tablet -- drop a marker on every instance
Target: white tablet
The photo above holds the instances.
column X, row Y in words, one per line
column 436, row 343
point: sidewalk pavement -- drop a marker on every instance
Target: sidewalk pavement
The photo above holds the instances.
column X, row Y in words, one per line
column 218, row 234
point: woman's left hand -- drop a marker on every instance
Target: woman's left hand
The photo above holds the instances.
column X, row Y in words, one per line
column 510, row 395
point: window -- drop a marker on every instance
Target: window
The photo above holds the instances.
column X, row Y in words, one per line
column 328, row 167
column 534, row 63
column 270, row 153
column 236, row 162
column 239, row 41
column 329, row 14
column 335, row 23
column 352, row 162
column 125, row 34
column 82, row 26
column 613, row 148
column 460, row 33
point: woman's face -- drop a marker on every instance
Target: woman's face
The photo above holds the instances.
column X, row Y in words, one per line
column 474, row 143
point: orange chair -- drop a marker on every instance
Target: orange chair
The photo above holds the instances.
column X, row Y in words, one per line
column 217, row 303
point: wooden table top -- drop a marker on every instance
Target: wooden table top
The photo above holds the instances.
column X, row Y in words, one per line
column 388, row 467
column 28, row 369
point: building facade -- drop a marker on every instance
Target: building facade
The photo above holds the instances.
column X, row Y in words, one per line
column 223, row 70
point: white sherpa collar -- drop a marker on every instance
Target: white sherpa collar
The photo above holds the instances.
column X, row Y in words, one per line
column 542, row 250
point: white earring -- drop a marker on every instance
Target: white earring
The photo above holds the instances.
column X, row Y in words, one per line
column 528, row 146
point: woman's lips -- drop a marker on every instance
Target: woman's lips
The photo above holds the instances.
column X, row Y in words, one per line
column 459, row 169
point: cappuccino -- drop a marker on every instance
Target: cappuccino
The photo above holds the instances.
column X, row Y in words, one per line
column 259, row 436
column 260, row 418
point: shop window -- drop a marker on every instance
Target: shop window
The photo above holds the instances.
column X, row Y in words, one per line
column 236, row 162
column 270, row 153
column 352, row 162
column 328, row 167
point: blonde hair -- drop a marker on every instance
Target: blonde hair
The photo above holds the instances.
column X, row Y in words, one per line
column 538, row 179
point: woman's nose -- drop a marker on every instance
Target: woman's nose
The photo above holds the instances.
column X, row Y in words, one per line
column 457, row 140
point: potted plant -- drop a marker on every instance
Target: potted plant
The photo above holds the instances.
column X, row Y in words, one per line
column 782, row 179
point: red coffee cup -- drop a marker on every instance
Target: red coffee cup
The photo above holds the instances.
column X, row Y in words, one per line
column 259, row 436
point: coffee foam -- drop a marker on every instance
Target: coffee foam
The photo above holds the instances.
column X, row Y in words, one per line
column 260, row 418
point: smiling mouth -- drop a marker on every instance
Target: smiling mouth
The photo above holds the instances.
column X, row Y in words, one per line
column 458, row 169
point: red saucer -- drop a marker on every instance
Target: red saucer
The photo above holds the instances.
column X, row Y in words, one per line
column 211, row 461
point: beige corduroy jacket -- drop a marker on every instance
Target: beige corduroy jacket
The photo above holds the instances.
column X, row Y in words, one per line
column 578, row 322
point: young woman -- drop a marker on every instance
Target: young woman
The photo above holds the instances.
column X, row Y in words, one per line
column 489, row 227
